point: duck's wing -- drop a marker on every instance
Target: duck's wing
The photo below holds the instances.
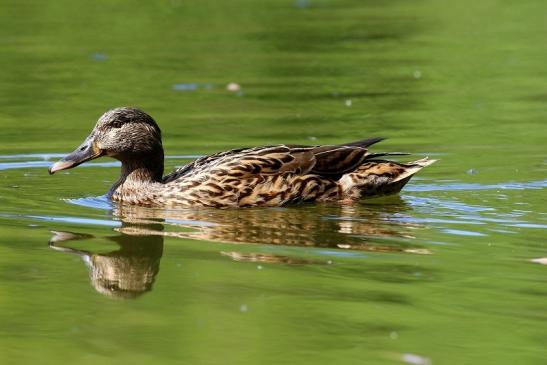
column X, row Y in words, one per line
column 198, row 164
column 333, row 161
column 330, row 161
column 248, row 161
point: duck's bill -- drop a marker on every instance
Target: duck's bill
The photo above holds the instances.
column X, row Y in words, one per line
column 86, row 152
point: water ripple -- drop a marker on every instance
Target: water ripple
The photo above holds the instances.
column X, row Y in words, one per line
column 97, row 202
column 77, row 220
column 538, row 184
column 44, row 160
column 461, row 232
column 46, row 164
column 448, row 215
column 65, row 219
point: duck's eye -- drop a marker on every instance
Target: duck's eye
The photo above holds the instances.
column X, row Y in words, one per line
column 116, row 124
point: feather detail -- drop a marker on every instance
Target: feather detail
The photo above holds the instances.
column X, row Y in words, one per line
column 283, row 174
column 378, row 177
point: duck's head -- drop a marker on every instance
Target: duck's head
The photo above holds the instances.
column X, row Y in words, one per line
column 126, row 134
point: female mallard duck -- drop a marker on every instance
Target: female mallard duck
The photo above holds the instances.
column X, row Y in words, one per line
column 261, row 176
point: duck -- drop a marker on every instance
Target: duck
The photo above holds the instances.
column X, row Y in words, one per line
column 272, row 175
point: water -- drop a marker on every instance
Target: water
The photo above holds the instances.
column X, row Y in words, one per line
column 449, row 272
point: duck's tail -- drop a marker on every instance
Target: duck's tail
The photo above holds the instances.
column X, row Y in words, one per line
column 380, row 177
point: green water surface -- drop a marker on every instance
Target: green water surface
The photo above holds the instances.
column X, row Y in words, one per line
column 446, row 273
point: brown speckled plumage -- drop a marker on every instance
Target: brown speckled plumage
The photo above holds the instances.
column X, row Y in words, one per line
column 261, row 176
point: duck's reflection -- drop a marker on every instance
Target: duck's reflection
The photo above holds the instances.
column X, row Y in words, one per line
column 131, row 270
column 127, row 272
column 334, row 226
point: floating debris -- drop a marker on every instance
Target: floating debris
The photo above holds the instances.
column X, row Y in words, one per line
column 540, row 260
column 232, row 86
column 417, row 74
column 348, row 102
column 97, row 56
column 471, row 172
column 302, row 4
column 185, row 86
column 192, row 86
column 415, row 359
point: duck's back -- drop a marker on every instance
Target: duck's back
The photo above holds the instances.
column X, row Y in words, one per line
column 268, row 175
column 331, row 161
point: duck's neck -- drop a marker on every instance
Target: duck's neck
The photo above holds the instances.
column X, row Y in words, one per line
column 139, row 172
